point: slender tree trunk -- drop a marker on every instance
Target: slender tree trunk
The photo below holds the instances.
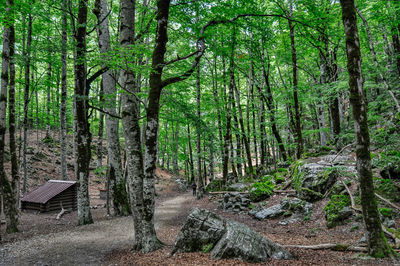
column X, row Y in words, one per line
column 244, row 136
column 299, row 137
column 198, row 131
column 191, row 164
column 63, row 105
column 83, row 136
column 48, row 98
column 377, row 244
column 271, row 108
column 101, row 130
column 176, row 148
column 27, row 58
column 373, row 54
column 217, row 104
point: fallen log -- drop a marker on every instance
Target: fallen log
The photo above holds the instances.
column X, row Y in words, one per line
column 335, row 247
column 224, row 192
column 62, row 212
column 387, row 201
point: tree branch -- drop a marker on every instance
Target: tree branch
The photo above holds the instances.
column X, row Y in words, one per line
column 104, row 112
column 95, row 76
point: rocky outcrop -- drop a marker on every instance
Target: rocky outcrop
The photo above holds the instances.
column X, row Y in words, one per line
column 313, row 180
column 271, row 212
column 207, row 231
column 235, row 201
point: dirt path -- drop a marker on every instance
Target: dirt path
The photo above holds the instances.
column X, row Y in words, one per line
column 84, row 245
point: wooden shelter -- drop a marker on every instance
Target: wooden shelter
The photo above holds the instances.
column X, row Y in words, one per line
column 51, row 196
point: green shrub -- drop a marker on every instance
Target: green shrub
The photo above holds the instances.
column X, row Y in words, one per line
column 262, row 189
column 207, row 248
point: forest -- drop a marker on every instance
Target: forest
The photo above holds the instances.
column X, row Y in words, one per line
column 282, row 115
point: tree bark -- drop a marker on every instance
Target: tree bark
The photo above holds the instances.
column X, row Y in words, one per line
column 83, row 136
column 271, row 108
column 198, row 132
column 15, row 182
column 6, row 188
column 63, row 105
column 101, row 130
column 27, row 58
column 130, row 122
column 299, row 137
column 115, row 177
column 377, row 244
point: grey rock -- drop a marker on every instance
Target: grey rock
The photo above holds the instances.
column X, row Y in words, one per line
column 271, row 212
column 315, row 181
column 337, row 159
column 345, row 213
column 240, row 242
column 201, row 228
column 298, row 207
column 238, row 187
column 229, row 239
column 389, row 223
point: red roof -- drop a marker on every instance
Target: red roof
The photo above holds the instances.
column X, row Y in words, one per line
column 48, row 191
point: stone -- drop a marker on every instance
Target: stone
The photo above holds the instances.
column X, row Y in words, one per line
column 314, row 180
column 271, row 212
column 299, row 208
column 201, row 228
column 389, row 223
column 345, row 213
column 238, row 187
column 240, row 242
column 338, row 160
column 227, row 239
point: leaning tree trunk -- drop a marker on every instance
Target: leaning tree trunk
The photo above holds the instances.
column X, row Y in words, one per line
column 63, row 106
column 83, row 136
column 115, row 176
column 377, row 244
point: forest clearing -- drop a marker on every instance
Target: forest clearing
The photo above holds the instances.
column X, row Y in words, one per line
column 173, row 132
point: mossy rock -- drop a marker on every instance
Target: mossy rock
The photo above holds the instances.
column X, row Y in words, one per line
column 387, row 189
column 337, row 210
column 215, row 185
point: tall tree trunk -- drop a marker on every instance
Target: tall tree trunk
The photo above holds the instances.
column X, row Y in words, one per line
column 83, row 136
column 269, row 100
column 217, row 104
column 115, row 176
column 49, row 82
column 6, row 188
column 244, row 136
column 299, row 137
column 27, row 58
column 198, row 131
column 377, row 244
column 63, row 105
column 15, row 182
column 130, row 122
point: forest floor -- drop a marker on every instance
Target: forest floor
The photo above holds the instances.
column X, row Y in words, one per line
column 43, row 240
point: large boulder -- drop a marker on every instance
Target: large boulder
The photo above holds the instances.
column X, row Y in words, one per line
column 201, row 228
column 204, row 230
column 313, row 180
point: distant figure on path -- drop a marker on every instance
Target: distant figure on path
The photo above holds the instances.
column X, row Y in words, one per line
column 194, row 186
